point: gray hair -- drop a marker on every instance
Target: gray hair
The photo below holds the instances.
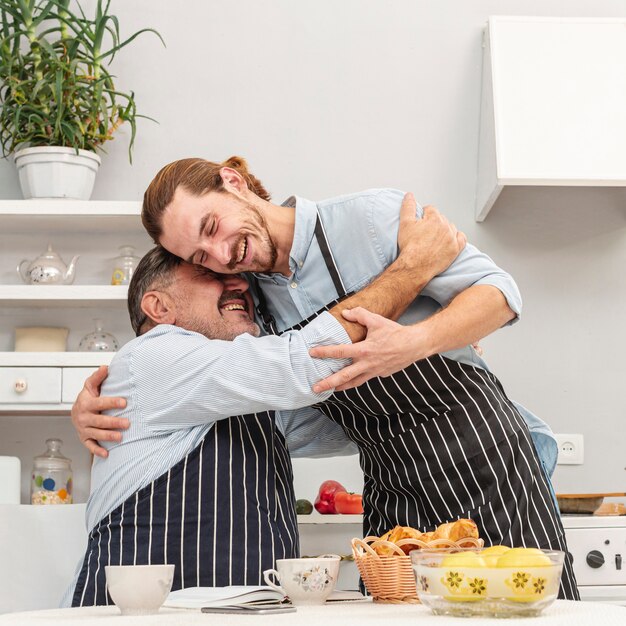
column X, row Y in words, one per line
column 154, row 271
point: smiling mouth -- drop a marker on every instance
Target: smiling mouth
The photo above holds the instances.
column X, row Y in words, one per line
column 234, row 307
column 233, row 301
column 241, row 252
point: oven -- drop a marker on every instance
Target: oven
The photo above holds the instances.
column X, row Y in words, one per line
column 598, row 546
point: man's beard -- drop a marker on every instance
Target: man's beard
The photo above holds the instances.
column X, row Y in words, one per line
column 218, row 328
column 264, row 242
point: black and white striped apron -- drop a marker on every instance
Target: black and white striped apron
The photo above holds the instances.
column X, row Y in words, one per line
column 222, row 515
column 439, row 441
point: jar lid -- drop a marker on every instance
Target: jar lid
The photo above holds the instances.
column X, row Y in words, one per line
column 52, row 457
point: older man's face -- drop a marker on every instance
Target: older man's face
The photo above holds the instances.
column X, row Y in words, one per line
column 218, row 231
column 217, row 306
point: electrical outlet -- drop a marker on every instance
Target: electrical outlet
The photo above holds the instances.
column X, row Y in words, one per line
column 571, row 449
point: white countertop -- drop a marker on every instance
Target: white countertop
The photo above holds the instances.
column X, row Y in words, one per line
column 562, row 612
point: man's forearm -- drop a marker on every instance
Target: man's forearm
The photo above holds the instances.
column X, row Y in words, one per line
column 472, row 315
column 388, row 295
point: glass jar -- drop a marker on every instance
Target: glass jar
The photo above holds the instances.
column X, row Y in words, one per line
column 51, row 481
column 124, row 265
column 99, row 340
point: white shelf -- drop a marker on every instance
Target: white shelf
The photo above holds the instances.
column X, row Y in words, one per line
column 65, row 208
column 316, row 518
column 35, row 409
column 55, row 359
column 71, row 216
column 64, row 295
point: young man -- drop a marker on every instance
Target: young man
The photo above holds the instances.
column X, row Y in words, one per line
column 202, row 478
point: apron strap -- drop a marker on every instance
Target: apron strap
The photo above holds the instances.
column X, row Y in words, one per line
column 320, row 235
column 267, row 319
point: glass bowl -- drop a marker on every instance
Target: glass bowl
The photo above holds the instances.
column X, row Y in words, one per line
column 486, row 582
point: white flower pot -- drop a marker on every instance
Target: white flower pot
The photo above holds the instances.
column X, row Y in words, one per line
column 55, row 172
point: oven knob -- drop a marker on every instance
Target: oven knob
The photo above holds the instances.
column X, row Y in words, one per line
column 618, row 561
column 595, row 559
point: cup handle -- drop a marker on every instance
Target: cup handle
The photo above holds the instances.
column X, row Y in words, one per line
column 266, row 576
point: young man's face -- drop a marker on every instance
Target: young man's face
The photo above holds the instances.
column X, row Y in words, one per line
column 218, row 307
column 218, row 231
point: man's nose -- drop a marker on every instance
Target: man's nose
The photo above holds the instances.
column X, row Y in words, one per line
column 218, row 251
column 235, row 282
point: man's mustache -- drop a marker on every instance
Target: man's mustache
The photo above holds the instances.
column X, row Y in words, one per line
column 230, row 296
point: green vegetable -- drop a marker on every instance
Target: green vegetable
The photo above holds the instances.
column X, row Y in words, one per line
column 303, row 507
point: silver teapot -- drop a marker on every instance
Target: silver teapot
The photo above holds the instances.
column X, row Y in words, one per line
column 47, row 269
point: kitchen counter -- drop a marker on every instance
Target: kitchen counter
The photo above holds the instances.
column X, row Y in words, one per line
column 562, row 612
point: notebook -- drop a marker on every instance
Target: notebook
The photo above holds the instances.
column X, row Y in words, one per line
column 235, row 595
column 239, row 595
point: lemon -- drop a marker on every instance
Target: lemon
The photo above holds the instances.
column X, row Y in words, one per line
column 463, row 559
column 523, row 557
column 491, row 554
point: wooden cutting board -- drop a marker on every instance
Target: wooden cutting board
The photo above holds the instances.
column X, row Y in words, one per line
column 590, row 495
column 611, row 508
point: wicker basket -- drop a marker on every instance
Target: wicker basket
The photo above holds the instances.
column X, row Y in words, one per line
column 389, row 578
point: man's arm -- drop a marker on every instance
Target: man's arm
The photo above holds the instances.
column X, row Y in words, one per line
column 390, row 346
column 427, row 247
column 478, row 298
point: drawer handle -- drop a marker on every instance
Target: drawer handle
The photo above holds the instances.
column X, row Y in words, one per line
column 20, row 385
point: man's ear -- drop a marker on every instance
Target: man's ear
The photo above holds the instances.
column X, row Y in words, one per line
column 233, row 181
column 159, row 307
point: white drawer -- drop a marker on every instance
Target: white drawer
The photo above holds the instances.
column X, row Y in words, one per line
column 30, row 385
column 73, row 381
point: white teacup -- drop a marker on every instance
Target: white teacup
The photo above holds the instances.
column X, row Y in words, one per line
column 139, row 589
column 305, row 581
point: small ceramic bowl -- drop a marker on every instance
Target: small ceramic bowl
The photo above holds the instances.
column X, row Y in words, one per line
column 139, row 589
column 475, row 582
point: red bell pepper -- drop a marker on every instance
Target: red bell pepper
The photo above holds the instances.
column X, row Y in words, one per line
column 348, row 503
column 325, row 500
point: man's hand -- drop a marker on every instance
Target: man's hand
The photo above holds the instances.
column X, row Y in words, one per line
column 90, row 425
column 429, row 244
column 388, row 347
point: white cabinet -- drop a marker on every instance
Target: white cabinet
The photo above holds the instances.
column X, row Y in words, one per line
column 94, row 230
column 30, row 385
column 552, row 110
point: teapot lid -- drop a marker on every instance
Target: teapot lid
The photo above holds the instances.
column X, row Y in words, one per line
column 49, row 253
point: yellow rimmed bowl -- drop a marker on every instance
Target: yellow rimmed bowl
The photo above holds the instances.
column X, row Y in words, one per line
column 494, row 582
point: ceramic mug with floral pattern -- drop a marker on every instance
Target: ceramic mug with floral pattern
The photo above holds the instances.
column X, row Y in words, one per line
column 305, row 581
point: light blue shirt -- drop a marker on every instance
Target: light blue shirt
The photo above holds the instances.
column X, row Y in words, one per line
column 362, row 230
column 178, row 384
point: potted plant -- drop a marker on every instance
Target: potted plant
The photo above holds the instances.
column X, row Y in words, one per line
column 58, row 101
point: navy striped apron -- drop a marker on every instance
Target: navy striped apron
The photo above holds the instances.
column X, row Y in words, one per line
column 222, row 515
column 439, row 441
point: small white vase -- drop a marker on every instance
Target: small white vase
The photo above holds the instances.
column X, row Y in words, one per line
column 56, row 172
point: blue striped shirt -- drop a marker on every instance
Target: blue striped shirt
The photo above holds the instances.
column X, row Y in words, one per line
column 178, row 383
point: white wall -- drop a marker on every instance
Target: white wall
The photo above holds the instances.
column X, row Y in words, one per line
column 326, row 97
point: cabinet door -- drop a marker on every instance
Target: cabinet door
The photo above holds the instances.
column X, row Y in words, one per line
column 73, row 381
column 30, row 385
